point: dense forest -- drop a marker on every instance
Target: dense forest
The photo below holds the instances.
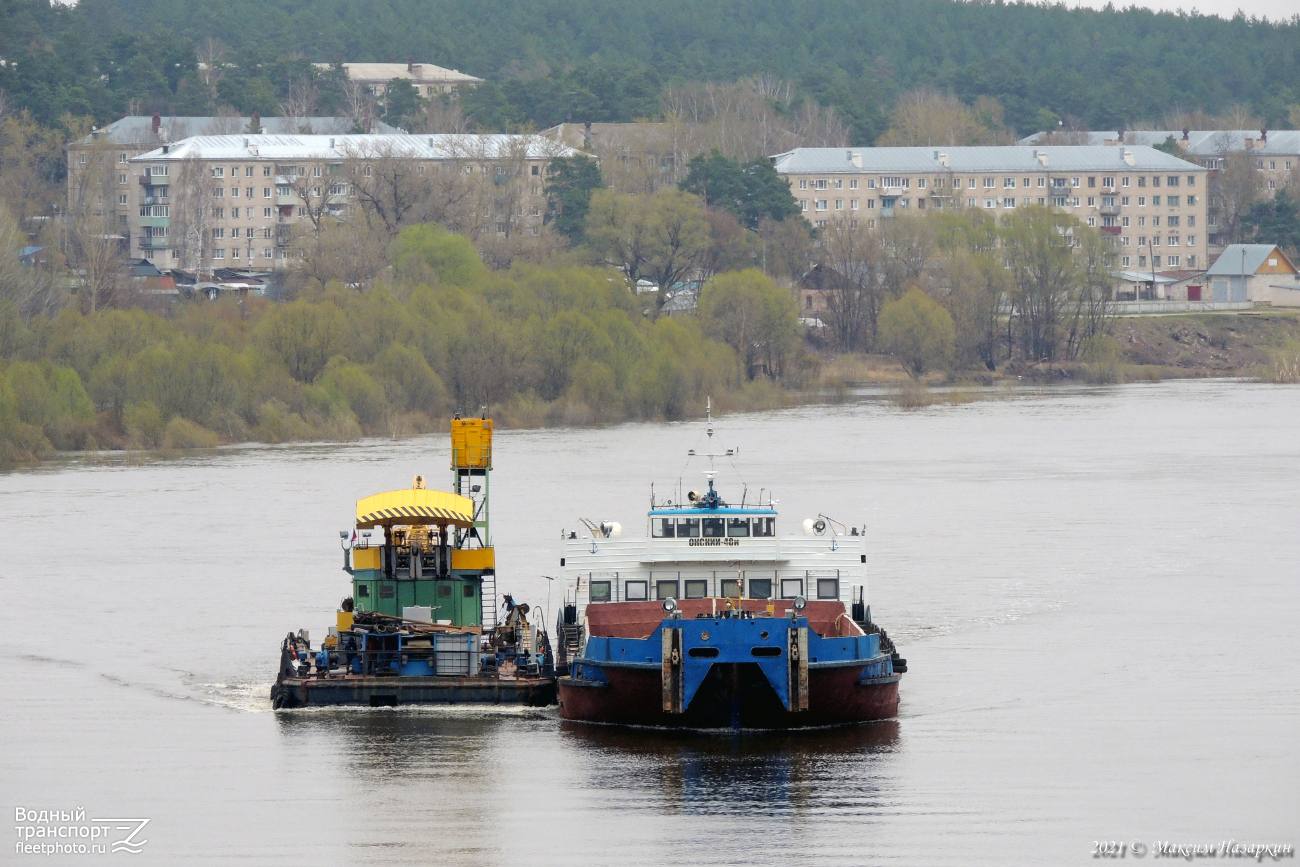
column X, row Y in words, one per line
column 549, row 61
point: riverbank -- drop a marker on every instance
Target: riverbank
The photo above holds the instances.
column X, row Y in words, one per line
column 1262, row 345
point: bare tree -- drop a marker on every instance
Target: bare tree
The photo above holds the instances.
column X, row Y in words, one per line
column 212, row 64
column 192, row 217
column 925, row 117
column 388, row 182
column 299, row 104
column 90, row 237
column 1233, row 189
column 849, row 278
column 29, row 284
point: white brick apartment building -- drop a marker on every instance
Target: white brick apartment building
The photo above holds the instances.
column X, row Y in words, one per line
column 1151, row 203
column 235, row 200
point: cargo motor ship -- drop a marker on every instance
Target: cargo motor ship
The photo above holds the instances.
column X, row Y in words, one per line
column 716, row 620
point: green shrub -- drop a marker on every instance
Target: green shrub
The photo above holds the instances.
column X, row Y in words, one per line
column 184, row 434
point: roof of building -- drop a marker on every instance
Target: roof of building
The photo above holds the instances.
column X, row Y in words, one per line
column 412, row 71
column 1174, row 276
column 138, row 129
column 1231, row 261
column 1199, row 142
column 1008, row 158
column 576, row 134
column 327, row 147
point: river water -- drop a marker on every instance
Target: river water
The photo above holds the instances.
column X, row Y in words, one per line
column 1097, row 592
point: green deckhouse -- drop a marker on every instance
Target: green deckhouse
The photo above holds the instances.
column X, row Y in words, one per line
column 436, row 551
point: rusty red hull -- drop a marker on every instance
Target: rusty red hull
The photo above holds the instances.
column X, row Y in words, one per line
column 732, row 696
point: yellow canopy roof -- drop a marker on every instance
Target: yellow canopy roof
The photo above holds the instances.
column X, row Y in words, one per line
column 414, row 506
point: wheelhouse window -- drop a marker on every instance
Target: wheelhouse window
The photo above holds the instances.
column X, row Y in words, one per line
column 663, row 528
column 737, row 526
column 697, row 588
column 791, row 587
column 600, row 591
column 714, row 527
column 729, row 588
column 764, row 526
column 688, row 527
column 828, row 588
column 760, row 588
column 665, row 589
column 636, row 591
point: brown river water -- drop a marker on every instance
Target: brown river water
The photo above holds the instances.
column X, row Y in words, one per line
column 1097, row 591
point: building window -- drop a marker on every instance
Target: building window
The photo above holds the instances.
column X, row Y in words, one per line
column 891, row 182
column 871, row 183
column 1142, row 240
column 990, row 203
column 820, row 184
column 1142, row 201
column 1092, row 201
column 989, row 183
column 218, row 171
column 839, row 204
column 820, row 204
column 1124, row 241
column 871, row 204
column 871, row 224
column 1092, row 221
column 1191, row 261
column 839, row 183
column 1124, row 260
column 1124, row 182
column 1155, row 201
column 1155, row 261
column 1123, row 201
column 853, row 184
column 234, row 215
column 803, row 204
column 1191, row 200
column 1142, row 261
column 1009, row 202
column 266, row 212
column 1191, row 240
column 1171, row 221
column 853, row 204
column 1155, row 241
column 1172, row 240
column 219, row 193
column 803, row 185
column 1155, row 221
column 219, row 253
column 1142, row 181
column 121, row 199
column 1272, row 185
column 920, row 183
column 1042, row 182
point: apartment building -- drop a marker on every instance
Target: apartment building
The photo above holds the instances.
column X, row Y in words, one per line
column 237, row 200
column 428, row 79
column 1274, row 154
column 99, row 171
column 1153, row 205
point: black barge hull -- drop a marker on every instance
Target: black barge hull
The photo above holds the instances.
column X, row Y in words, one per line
column 363, row 691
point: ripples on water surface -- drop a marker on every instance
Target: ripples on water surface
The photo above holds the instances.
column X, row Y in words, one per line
column 1096, row 591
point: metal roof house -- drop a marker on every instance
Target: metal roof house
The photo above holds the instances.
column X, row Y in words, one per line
column 1261, row 273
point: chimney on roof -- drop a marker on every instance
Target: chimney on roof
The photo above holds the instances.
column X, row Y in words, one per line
column 410, row 64
column 255, row 126
column 855, row 157
column 157, row 122
column 1119, row 139
column 1187, row 134
column 943, row 159
column 165, row 147
column 1041, row 156
column 1263, row 135
column 1128, row 157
